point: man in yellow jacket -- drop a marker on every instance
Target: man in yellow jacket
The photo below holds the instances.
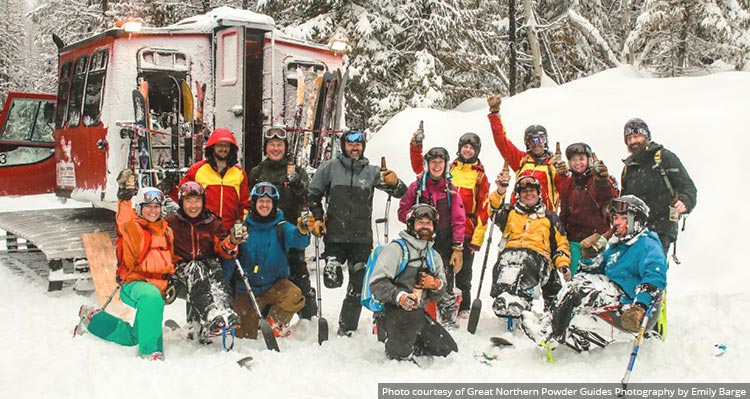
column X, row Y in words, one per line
column 533, row 247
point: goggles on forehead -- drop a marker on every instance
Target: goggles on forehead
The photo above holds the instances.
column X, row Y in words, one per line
column 265, row 189
column 437, row 152
column 275, row 133
column 618, row 206
column 355, row 137
column 153, row 196
column 190, row 188
column 420, row 211
column 631, row 130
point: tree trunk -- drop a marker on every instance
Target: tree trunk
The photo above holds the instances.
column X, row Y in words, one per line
column 536, row 54
column 512, row 44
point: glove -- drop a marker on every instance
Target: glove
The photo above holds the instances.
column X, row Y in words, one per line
column 417, row 138
column 408, row 301
column 304, row 223
column 457, row 258
column 428, row 282
column 561, row 168
column 238, row 236
column 565, row 271
column 494, row 103
column 600, row 170
column 318, row 228
column 127, row 186
column 390, row 179
column 593, row 245
column 632, row 317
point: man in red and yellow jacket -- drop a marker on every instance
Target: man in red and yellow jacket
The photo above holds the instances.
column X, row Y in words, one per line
column 536, row 161
column 227, row 190
column 469, row 179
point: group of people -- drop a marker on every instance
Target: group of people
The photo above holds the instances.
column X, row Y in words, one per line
column 263, row 220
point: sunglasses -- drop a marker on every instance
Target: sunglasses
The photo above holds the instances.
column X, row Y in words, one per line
column 265, row 189
column 355, row 137
column 275, row 133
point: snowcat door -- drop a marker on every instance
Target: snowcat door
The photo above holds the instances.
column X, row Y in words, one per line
column 229, row 107
column 27, row 164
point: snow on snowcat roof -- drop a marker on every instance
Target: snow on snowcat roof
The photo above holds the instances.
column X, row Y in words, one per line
column 224, row 16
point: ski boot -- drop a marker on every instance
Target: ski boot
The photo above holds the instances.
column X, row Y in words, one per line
column 85, row 313
column 279, row 330
column 153, row 356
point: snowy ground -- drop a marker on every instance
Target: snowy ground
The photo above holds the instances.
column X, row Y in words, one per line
column 701, row 119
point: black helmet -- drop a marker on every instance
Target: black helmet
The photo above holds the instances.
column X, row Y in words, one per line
column 275, row 132
column 636, row 126
column 578, row 148
column 353, row 136
column 527, row 181
column 636, row 210
column 437, row 152
column 472, row 139
column 419, row 211
column 535, row 132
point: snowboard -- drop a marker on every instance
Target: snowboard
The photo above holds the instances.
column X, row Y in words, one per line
column 103, row 267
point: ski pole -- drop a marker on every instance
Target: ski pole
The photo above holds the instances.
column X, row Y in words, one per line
column 111, row 296
column 476, row 306
column 636, row 347
column 322, row 322
column 265, row 328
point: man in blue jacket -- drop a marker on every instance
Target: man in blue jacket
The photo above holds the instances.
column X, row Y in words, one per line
column 263, row 258
column 617, row 286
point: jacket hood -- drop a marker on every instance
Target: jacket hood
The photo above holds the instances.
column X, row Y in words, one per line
column 221, row 136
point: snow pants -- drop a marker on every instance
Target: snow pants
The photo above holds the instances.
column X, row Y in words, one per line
column 413, row 333
column 575, row 256
column 146, row 331
column 355, row 256
column 300, row 276
column 517, row 278
column 281, row 302
column 590, row 302
column 463, row 277
column 207, row 293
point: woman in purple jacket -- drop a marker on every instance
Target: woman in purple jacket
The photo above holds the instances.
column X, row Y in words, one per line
column 434, row 187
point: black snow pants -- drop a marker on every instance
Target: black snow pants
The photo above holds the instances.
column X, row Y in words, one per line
column 413, row 333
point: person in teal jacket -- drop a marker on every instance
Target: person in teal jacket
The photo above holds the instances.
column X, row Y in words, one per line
column 263, row 258
column 618, row 286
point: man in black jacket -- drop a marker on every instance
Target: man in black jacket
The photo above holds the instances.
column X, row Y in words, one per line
column 348, row 182
column 292, row 185
column 656, row 175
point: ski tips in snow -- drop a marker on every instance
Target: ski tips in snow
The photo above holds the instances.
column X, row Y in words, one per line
column 246, row 362
column 500, row 341
column 719, row 349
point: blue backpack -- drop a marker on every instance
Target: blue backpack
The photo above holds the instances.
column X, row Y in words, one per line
column 368, row 301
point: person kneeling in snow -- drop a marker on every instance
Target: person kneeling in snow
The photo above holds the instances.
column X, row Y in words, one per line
column 200, row 239
column 535, row 248
column 144, row 268
column 409, row 329
column 618, row 286
column 264, row 259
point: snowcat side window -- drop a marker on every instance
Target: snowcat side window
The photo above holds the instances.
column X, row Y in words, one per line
column 92, row 110
column 62, row 94
column 76, row 91
column 19, row 144
column 43, row 128
column 19, row 123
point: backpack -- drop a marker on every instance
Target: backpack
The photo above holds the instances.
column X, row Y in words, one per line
column 368, row 301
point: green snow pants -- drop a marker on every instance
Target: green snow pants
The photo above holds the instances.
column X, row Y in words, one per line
column 575, row 256
column 146, row 331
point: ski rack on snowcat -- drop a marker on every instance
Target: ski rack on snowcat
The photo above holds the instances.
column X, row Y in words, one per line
column 57, row 234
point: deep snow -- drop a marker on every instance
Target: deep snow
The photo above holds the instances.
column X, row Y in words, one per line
column 702, row 119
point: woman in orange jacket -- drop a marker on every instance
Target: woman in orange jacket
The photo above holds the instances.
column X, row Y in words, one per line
column 144, row 267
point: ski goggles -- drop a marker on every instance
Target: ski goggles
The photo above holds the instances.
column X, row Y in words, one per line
column 618, row 206
column 355, row 137
column 275, row 133
column 153, row 196
column 539, row 139
column 190, row 188
column 420, row 211
column 265, row 189
column 437, row 152
column 577, row 148
column 527, row 182
column 631, row 130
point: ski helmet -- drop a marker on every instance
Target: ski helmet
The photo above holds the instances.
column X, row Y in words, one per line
column 148, row 195
column 578, row 148
column 353, row 136
column 535, row 134
column 636, row 126
column 419, row 211
column 275, row 132
column 636, row 210
column 264, row 189
column 191, row 188
column 525, row 182
column 473, row 140
column 437, row 152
